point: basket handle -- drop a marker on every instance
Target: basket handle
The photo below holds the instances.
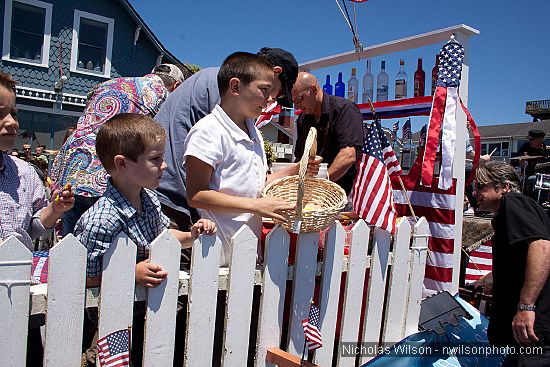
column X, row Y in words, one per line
column 310, row 150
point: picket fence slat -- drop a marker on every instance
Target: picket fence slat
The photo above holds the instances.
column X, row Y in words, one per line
column 116, row 306
column 15, row 270
column 376, row 288
column 203, row 292
column 396, row 303
column 66, row 302
column 162, row 301
column 275, row 274
column 239, row 297
column 333, row 256
column 355, row 284
column 305, row 267
column 418, row 266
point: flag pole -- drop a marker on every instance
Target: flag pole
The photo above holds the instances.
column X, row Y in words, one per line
column 400, row 180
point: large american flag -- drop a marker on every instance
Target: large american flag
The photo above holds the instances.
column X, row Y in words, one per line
column 372, row 195
column 113, row 350
column 443, row 116
column 311, row 329
column 438, row 207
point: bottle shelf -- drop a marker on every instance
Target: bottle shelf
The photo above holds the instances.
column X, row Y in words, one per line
column 418, row 106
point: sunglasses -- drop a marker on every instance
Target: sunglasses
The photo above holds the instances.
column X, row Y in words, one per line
column 481, row 186
column 300, row 98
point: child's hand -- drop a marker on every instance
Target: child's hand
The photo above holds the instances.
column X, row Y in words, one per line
column 62, row 199
column 149, row 275
column 273, row 208
column 203, row 226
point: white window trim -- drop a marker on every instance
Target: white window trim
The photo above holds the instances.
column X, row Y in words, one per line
column 45, row 58
column 108, row 51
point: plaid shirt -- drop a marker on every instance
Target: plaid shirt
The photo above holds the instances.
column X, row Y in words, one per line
column 112, row 214
column 22, row 197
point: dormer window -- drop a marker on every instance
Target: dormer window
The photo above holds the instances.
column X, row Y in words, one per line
column 27, row 27
column 92, row 44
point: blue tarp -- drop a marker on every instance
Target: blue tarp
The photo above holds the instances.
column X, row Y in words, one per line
column 465, row 345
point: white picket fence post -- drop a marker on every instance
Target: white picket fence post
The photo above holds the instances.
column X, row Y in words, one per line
column 66, row 303
column 15, row 271
column 203, row 292
column 160, row 331
column 270, row 325
column 66, row 295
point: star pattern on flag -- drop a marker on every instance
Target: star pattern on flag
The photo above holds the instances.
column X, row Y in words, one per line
column 311, row 329
column 450, row 64
column 114, row 349
column 372, row 196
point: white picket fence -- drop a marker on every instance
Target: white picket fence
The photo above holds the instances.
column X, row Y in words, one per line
column 389, row 316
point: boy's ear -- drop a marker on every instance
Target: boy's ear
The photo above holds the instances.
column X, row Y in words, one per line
column 119, row 161
column 277, row 70
column 234, row 86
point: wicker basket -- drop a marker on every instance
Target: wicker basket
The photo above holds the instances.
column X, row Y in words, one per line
column 318, row 201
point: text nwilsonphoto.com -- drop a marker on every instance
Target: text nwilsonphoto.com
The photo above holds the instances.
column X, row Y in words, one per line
column 351, row 349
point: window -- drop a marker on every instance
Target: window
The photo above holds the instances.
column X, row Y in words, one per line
column 92, row 44
column 501, row 149
column 27, row 27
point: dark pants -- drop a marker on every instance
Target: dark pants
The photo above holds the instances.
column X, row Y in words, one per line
column 70, row 217
column 528, row 360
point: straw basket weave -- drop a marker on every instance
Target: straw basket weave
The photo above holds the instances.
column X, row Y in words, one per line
column 318, row 201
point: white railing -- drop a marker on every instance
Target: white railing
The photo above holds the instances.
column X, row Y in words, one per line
column 397, row 266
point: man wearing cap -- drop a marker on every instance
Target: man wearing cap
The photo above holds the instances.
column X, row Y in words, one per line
column 339, row 126
column 534, row 147
column 171, row 75
column 188, row 104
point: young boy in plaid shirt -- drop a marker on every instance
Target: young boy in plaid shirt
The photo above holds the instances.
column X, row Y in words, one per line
column 131, row 148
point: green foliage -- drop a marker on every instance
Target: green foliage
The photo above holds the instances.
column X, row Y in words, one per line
column 194, row 68
column 270, row 156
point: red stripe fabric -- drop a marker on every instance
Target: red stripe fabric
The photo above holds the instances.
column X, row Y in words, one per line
column 434, row 128
column 439, row 274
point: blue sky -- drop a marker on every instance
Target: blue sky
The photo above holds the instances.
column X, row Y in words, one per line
column 509, row 60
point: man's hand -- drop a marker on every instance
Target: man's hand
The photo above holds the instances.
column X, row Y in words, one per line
column 149, row 275
column 313, row 166
column 522, row 326
column 273, row 208
column 203, row 226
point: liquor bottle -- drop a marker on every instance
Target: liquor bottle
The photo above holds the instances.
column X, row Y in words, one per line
column 327, row 87
column 419, row 80
column 401, row 82
column 339, row 87
column 353, row 85
column 435, row 70
column 368, row 81
column 382, row 84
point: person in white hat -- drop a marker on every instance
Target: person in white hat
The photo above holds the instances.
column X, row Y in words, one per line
column 170, row 74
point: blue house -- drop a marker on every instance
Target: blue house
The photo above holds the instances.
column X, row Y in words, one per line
column 58, row 49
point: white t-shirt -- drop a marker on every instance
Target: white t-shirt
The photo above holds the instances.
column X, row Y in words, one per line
column 239, row 165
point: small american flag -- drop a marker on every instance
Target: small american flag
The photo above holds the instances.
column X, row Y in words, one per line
column 422, row 138
column 407, row 134
column 311, row 329
column 267, row 114
column 395, row 130
column 113, row 350
column 372, row 192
